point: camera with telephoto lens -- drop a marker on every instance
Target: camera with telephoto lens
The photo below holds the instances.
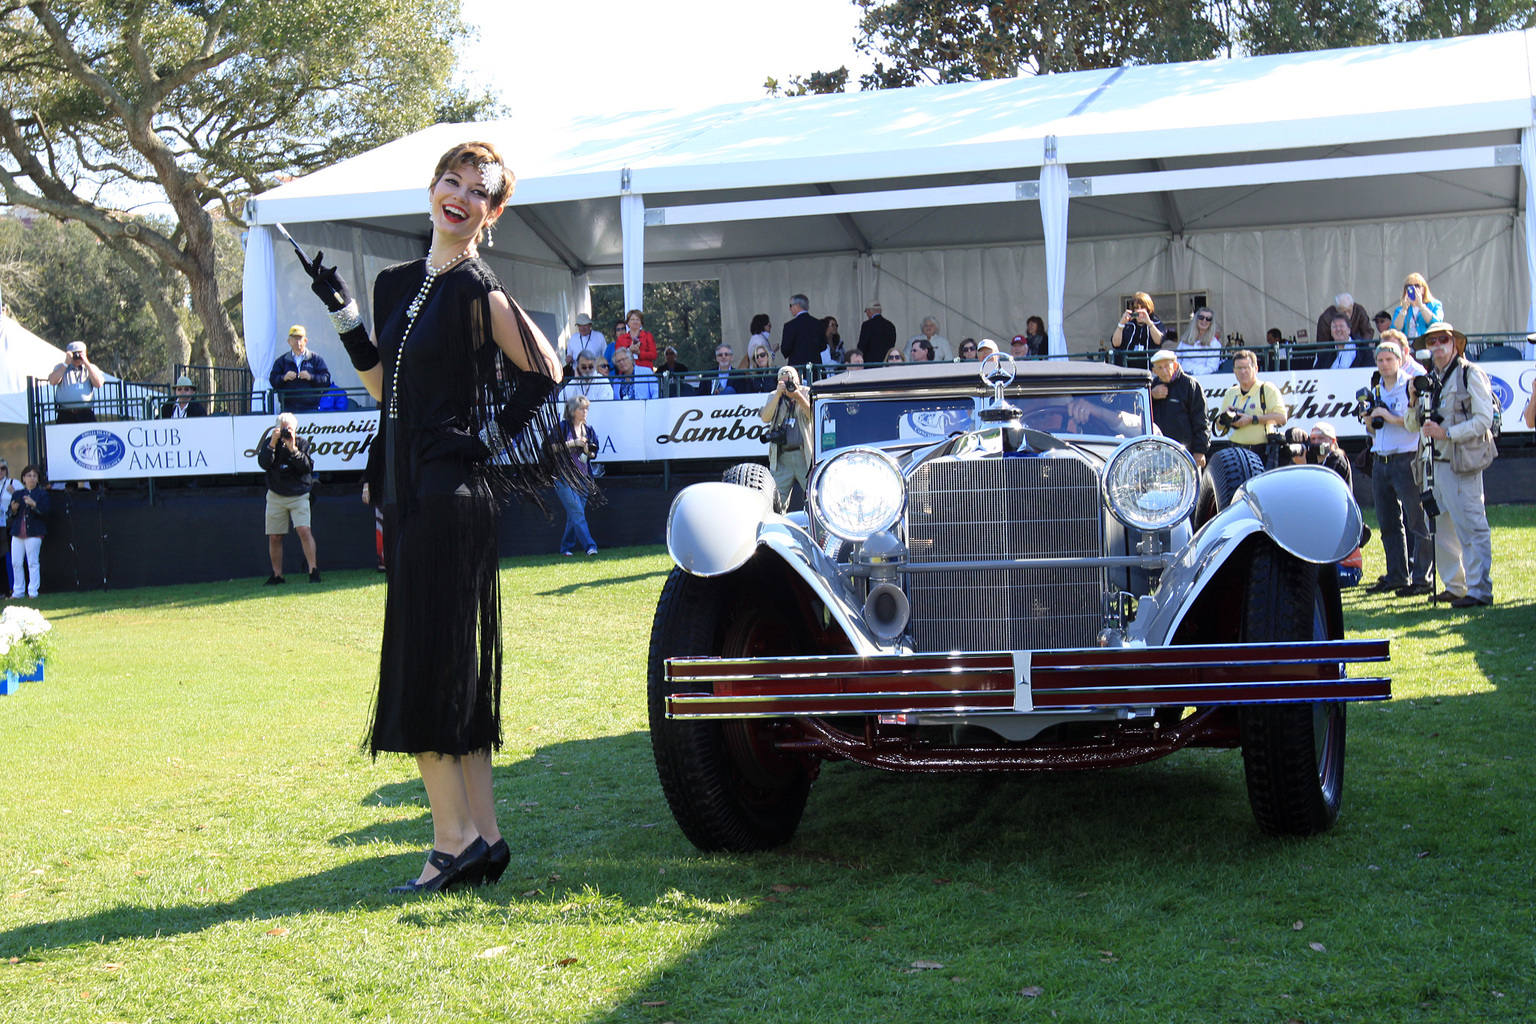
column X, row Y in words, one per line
column 1426, row 390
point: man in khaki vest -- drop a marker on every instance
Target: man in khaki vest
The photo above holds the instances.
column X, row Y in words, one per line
column 1457, row 435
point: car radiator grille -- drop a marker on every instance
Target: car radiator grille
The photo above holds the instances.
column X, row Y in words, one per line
column 1004, row 508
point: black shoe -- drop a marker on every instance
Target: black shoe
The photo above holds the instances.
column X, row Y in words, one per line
column 468, row 868
column 274, row 580
column 1445, row 597
column 314, row 575
column 1382, row 585
column 1415, row 590
column 496, row 861
column 1470, row 602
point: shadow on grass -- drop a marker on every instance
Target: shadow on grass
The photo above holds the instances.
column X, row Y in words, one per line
column 571, row 588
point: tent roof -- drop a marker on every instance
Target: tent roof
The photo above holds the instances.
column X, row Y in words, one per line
column 1153, row 118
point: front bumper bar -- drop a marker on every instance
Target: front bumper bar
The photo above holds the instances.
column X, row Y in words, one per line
column 1069, row 681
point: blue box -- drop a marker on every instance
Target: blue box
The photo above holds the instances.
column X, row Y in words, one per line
column 9, row 684
column 35, row 676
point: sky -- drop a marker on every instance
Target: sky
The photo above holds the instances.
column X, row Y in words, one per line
column 573, row 57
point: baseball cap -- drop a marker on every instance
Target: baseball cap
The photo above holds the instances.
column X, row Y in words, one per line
column 75, row 346
column 1019, row 338
column 297, row 329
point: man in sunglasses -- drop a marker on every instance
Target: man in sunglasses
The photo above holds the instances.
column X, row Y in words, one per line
column 1456, row 433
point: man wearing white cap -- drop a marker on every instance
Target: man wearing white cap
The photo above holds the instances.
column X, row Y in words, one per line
column 1178, row 405
column 182, row 406
column 586, row 339
column 77, row 379
column 1457, row 435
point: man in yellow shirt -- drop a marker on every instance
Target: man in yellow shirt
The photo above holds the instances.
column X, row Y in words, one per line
column 1251, row 410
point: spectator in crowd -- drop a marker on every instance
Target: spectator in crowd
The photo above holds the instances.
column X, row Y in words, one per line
column 8, row 487
column 986, row 348
column 1347, row 352
column 877, row 335
column 587, row 338
column 895, row 356
column 299, row 376
column 1383, row 322
column 719, row 380
column 833, row 354
column 28, row 512
column 1274, row 339
column 1461, row 447
column 607, row 361
column 604, row 367
column 928, row 330
column 582, row 445
column 588, row 382
column 670, row 362
column 1200, row 348
column 1178, row 405
column 1417, row 309
column 290, row 476
column 803, row 336
column 641, row 345
column 1344, row 305
column 788, row 409
column 967, row 350
column 920, row 351
column 1034, row 333
column 855, row 359
column 761, row 329
column 1251, row 409
column 1324, row 440
column 760, row 360
column 1019, row 347
column 1394, row 490
column 628, row 382
column 182, row 406
column 77, row 379
column 1138, row 331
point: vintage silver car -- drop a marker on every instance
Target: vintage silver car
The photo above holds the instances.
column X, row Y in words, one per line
column 1004, row 571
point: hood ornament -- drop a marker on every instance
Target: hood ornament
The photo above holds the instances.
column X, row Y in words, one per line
column 997, row 375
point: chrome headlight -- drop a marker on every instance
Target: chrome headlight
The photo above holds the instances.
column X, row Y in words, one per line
column 858, row 492
column 1151, row 483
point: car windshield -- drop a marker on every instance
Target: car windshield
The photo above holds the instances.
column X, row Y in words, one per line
column 844, row 423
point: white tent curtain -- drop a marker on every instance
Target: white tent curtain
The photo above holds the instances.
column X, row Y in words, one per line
column 1528, row 169
column 632, row 224
column 1282, row 277
column 259, row 305
column 1053, row 216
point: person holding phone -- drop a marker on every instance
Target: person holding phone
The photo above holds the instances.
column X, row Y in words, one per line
column 1139, row 330
column 1418, row 308
column 28, row 512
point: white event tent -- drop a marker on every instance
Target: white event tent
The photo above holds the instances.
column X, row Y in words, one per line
column 1266, row 183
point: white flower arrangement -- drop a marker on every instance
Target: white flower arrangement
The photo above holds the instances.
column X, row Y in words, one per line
column 26, row 638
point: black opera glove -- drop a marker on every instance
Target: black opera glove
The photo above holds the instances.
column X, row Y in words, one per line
column 529, row 393
column 360, row 348
column 328, row 285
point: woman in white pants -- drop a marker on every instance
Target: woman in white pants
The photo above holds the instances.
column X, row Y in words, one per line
column 28, row 512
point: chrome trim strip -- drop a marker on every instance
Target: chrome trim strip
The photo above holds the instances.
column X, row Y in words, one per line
column 761, row 698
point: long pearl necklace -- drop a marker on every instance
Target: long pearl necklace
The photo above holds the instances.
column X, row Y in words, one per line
column 433, row 273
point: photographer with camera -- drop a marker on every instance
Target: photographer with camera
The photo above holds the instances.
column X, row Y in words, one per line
column 77, row 379
column 290, row 476
column 1404, row 535
column 1252, row 411
column 788, row 414
column 1452, row 410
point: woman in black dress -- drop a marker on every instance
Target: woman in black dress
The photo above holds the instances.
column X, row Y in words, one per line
column 462, row 377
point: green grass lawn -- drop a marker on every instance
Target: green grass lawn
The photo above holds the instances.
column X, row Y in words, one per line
column 188, row 833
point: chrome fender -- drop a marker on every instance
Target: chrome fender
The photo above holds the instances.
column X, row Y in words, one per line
column 1306, row 510
column 714, row 528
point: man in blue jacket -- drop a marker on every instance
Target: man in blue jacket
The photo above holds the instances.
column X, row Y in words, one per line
column 299, row 375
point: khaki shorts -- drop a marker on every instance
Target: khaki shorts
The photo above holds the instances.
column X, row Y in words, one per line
column 281, row 508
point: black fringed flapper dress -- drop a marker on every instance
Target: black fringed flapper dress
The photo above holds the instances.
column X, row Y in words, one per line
column 440, row 662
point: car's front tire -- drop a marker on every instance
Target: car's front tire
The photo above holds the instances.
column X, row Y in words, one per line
column 726, row 785
column 1293, row 754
